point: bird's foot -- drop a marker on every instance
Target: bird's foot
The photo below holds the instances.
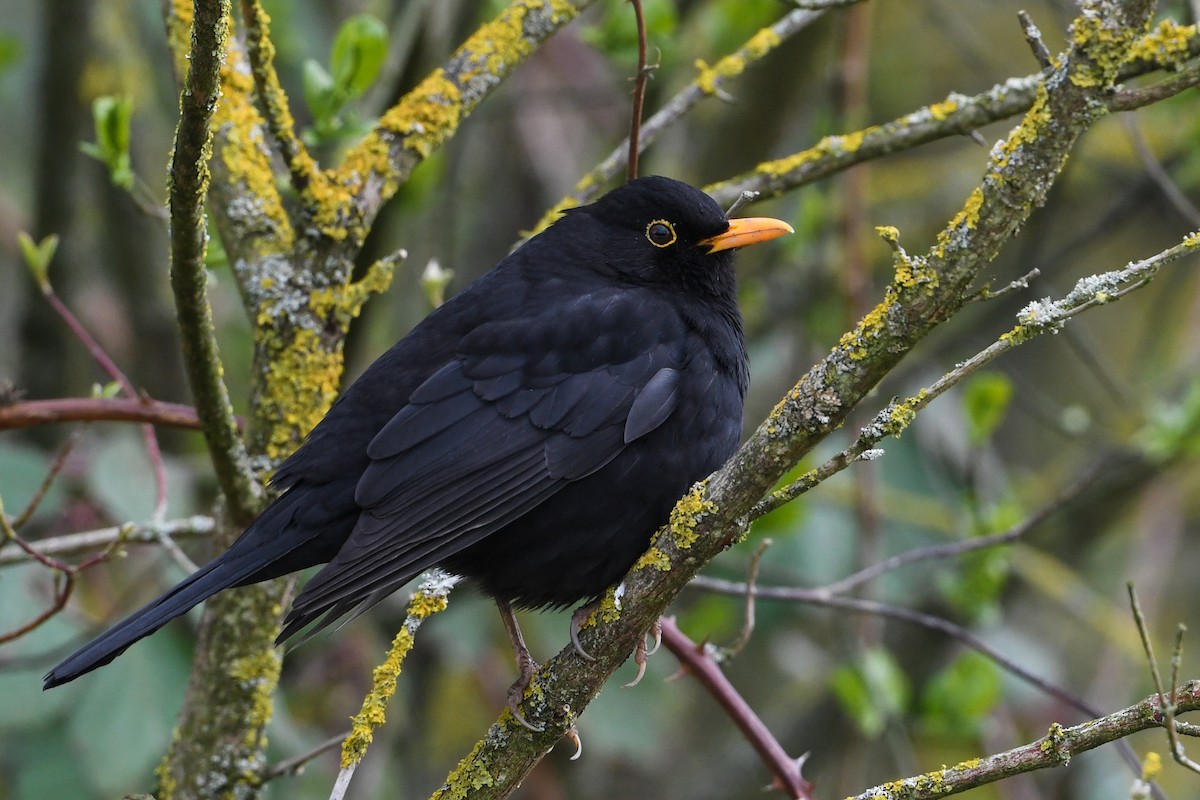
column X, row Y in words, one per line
column 644, row 651
column 578, row 620
column 526, row 666
column 573, row 734
column 516, row 693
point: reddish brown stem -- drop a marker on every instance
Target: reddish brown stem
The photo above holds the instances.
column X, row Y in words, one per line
column 95, row 409
column 639, row 93
column 704, row 669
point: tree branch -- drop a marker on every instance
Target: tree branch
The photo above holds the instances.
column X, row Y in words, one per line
column 27, row 413
column 924, row 294
column 189, row 277
column 1053, row 750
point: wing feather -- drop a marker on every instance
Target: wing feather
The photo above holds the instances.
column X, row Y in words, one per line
column 508, row 421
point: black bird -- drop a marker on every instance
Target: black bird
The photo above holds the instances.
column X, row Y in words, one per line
column 530, row 434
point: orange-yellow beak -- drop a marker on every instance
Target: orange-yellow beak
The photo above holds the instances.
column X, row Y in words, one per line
column 747, row 231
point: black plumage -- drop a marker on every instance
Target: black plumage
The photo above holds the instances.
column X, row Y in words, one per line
column 530, row 434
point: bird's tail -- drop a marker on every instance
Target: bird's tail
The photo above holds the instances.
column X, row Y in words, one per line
column 196, row 588
column 288, row 536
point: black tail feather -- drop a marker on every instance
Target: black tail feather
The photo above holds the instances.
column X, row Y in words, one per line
column 198, row 587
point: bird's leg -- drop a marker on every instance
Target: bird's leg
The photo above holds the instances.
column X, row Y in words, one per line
column 643, row 651
column 578, row 620
column 526, row 666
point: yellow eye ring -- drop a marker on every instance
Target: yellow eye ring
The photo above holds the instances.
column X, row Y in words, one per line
column 661, row 233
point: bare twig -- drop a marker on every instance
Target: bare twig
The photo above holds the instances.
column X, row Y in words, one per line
column 748, row 618
column 1034, row 37
column 295, row 764
column 1166, row 706
column 71, row 544
column 1159, row 175
column 24, row 414
column 639, row 92
column 961, row 547
column 56, row 466
column 1016, row 285
column 698, row 662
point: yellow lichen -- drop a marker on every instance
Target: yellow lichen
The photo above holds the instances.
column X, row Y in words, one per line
column 687, row 513
column 374, row 707
column 734, row 64
column 469, row 775
column 1167, row 45
column 940, row 111
column 654, row 558
column 258, row 675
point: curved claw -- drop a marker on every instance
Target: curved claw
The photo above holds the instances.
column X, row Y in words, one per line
column 578, row 620
column 573, row 734
column 643, row 652
column 516, row 693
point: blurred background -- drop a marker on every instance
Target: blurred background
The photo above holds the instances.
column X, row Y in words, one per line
column 1109, row 408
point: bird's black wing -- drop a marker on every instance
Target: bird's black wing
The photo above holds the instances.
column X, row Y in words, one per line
column 524, row 408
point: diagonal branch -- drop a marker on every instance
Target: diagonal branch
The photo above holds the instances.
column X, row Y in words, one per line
column 925, row 292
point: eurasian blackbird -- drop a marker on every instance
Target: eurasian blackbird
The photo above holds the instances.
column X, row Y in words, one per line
column 530, row 434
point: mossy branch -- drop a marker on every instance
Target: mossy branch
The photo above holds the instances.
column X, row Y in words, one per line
column 958, row 115
column 1055, row 749
column 932, row 287
column 189, row 276
column 349, row 196
column 261, row 53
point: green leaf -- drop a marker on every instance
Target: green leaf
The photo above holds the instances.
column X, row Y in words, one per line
column 37, row 256
column 873, row 692
column 1173, row 429
column 958, row 700
column 318, row 92
column 359, row 50
column 112, row 116
column 986, row 398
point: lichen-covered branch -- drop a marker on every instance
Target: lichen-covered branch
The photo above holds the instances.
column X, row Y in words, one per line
column 1168, row 46
column 349, row 197
column 926, row 291
column 189, row 276
column 261, row 52
column 1055, row 749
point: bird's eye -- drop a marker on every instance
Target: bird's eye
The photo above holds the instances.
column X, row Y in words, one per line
column 661, row 233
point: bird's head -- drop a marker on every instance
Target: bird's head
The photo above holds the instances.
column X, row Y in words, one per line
column 660, row 231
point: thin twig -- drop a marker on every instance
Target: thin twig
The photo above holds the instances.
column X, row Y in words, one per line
column 1166, row 699
column 1159, row 175
column 296, row 764
column 1035, row 319
column 1018, row 285
column 56, row 466
column 709, row 83
column 698, row 663
column 1034, row 37
column 71, row 544
column 639, row 92
column 114, row 372
column 748, row 618
column 958, row 548
column 27, row 413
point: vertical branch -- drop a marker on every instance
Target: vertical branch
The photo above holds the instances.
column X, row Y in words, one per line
column 189, row 277
column 639, row 92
